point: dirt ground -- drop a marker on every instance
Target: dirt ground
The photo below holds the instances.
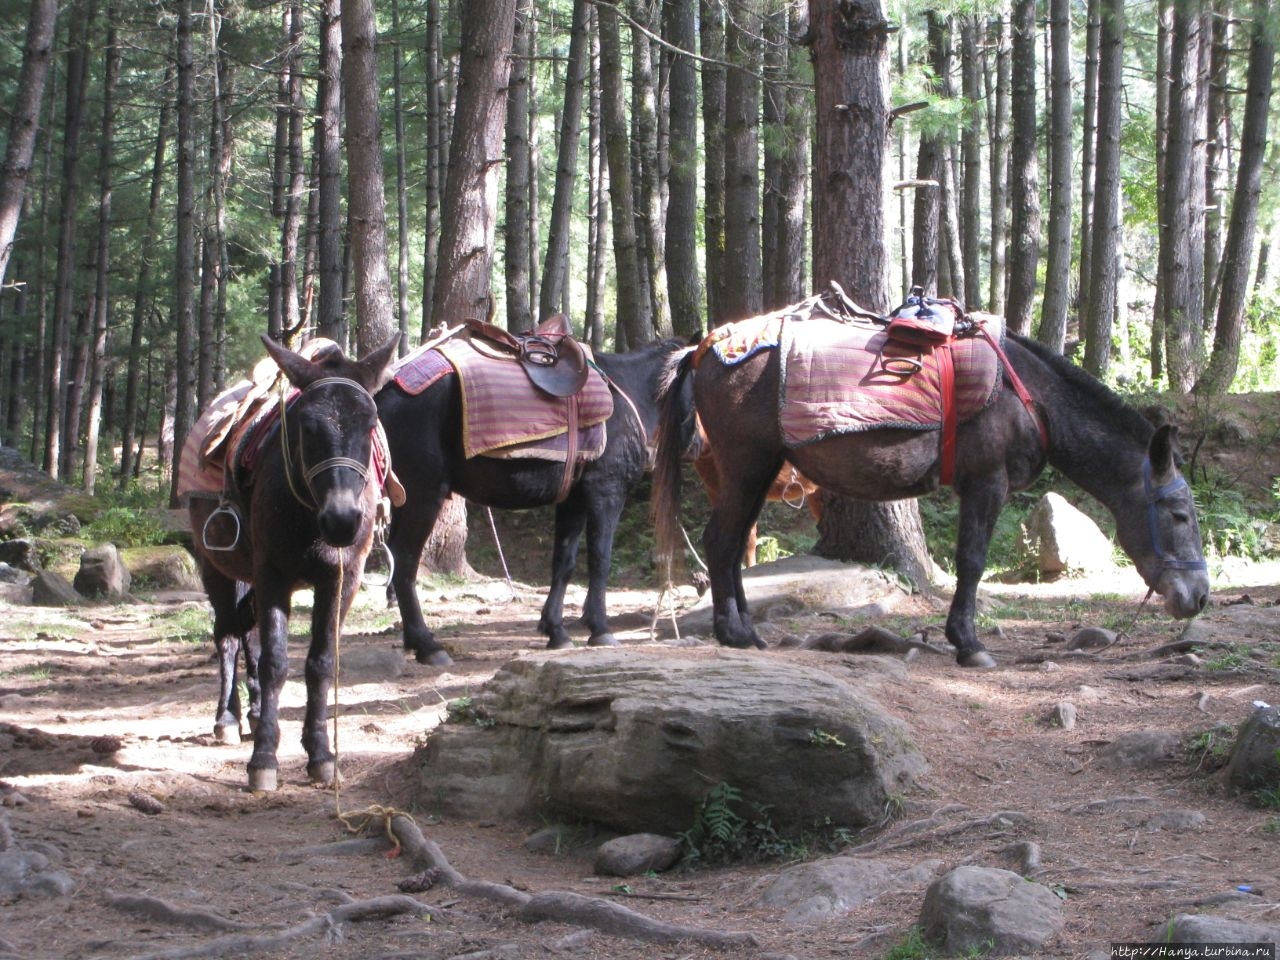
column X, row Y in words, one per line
column 105, row 708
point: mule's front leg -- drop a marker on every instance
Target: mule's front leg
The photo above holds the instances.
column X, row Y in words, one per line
column 326, row 628
column 980, row 505
column 724, row 545
column 273, row 668
column 571, row 519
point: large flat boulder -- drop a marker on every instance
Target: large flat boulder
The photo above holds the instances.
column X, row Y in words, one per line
column 636, row 738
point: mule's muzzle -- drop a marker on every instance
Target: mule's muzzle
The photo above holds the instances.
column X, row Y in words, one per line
column 339, row 527
column 1185, row 592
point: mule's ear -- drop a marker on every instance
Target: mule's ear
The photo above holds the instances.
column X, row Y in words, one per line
column 298, row 369
column 1162, row 451
column 373, row 367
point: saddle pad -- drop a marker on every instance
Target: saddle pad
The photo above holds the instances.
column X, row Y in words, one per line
column 416, row 371
column 198, row 471
column 502, row 408
column 834, row 380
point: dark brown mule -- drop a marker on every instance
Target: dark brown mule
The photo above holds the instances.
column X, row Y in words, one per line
column 307, row 516
column 790, row 486
column 1093, row 438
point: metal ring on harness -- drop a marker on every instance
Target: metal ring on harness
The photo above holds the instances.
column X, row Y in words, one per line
column 1155, row 495
column 230, row 511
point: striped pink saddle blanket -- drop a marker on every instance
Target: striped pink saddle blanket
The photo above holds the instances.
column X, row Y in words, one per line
column 847, row 377
column 503, row 414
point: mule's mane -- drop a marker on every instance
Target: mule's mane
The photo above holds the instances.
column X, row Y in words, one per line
column 1113, row 407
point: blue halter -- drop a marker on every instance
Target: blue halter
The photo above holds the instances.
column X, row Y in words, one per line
column 1154, row 496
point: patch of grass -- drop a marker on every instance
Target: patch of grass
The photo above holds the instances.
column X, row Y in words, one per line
column 186, row 625
column 1211, row 748
column 1227, row 661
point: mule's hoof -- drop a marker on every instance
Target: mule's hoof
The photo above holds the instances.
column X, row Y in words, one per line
column 263, row 779
column 760, row 644
column 437, row 658
column 979, row 658
column 561, row 642
column 321, row 774
column 603, row 640
column 227, row 734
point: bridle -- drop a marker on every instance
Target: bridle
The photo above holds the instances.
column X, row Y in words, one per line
column 309, row 473
column 1154, row 495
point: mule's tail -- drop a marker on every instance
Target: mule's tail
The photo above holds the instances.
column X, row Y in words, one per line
column 675, row 432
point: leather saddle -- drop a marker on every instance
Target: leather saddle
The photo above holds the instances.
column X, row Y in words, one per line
column 554, row 361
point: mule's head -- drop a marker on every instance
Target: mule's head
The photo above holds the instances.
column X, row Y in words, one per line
column 1158, row 529
column 330, row 429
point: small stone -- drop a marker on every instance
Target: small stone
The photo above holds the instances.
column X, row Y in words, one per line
column 145, row 802
column 1063, row 715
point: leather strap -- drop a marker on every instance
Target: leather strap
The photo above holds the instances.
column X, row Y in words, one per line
column 947, row 396
column 1016, row 382
column 571, row 447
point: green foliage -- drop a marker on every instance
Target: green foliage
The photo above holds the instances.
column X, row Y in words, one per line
column 128, row 518
column 186, row 625
column 1211, row 748
column 728, row 829
column 1229, row 524
column 1259, row 366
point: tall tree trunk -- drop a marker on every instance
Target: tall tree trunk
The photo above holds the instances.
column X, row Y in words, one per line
column 295, row 173
column 597, row 188
column 850, row 53
column 64, row 281
column 650, row 224
column 711, row 43
column 402, row 185
column 742, row 293
column 998, row 99
column 1057, row 292
column 1024, row 176
column 435, row 124
column 366, row 186
column 787, row 116
column 1088, row 156
column 679, row 28
column 1217, row 151
column 184, row 260
column 1100, row 296
column 24, row 122
column 554, row 296
column 1244, row 206
column 634, row 324
column 98, row 353
column 1182, row 209
column 971, row 161
column 1164, row 57
column 515, row 230
column 142, row 297
column 331, row 319
column 927, row 217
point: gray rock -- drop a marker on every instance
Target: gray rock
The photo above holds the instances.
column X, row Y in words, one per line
column 826, row 888
column 1254, row 763
column 637, row 853
column 1141, row 748
column 635, row 739
column 1063, row 715
column 163, row 568
column 1091, row 638
column 1206, row 928
column 51, row 589
column 792, row 585
column 1066, row 539
column 989, row 910
column 27, row 873
column 21, row 553
column 102, row 573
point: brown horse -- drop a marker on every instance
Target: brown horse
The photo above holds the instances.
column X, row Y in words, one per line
column 1078, row 425
column 790, row 486
column 304, row 514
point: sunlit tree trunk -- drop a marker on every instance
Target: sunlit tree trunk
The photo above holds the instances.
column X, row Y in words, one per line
column 742, row 292
column 179, row 380
column 515, row 229
column 711, row 44
column 24, row 122
column 1057, row 292
column 650, row 224
column 850, row 51
column 788, row 116
column 971, row 204
column 1106, row 228
column 1217, row 152
column 998, row 104
column 1024, row 176
column 1088, row 155
column 330, row 314
column 679, row 27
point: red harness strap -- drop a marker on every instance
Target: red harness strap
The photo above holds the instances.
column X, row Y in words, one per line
column 947, row 384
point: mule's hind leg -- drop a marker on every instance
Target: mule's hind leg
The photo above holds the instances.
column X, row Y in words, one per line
column 411, row 524
column 980, row 504
column 603, row 513
column 733, row 515
column 222, row 594
column 571, row 520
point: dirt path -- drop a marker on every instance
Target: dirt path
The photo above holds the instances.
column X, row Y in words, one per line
column 104, row 704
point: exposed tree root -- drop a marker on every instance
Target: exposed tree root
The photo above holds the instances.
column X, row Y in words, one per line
column 594, row 912
column 238, row 945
